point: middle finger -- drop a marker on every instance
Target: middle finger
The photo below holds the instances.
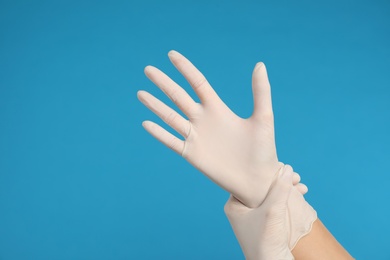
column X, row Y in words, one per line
column 176, row 93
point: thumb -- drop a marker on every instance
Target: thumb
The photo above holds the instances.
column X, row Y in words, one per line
column 261, row 92
column 279, row 193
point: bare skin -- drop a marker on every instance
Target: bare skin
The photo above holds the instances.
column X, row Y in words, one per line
column 320, row 244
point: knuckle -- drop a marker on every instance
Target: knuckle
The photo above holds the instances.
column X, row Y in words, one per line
column 199, row 83
column 227, row 208
column 173, row 143
column 185, row 107
column 196, row 112
column 174, row 95
column 171, row 118
column 267, row 116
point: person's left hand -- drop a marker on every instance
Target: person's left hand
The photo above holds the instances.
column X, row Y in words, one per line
column 236, row 153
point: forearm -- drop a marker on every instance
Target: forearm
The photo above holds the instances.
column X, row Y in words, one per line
column 319, row 244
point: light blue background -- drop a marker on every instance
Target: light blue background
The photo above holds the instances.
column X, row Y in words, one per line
column 81, row 179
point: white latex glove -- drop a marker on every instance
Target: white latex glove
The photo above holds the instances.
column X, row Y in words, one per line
column 301, row 215
column 272, row 230
column 263, row 232
column 301, row 188
column 237, row 154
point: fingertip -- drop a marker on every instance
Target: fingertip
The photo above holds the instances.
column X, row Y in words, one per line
column 296, row 178
column 140, row 93
column 280, row 165
column 147, row 124
column 142, row 96
column 172, row 53
column 305, row 189
column 286, row 174
column 302, row 188
column 288, row 169
column 259, row 65
column 148, row 69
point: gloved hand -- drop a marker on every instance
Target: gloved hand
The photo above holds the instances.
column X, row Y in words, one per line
column 301, row 215
column 263, row 232
column 237, row 154
column 272, row 230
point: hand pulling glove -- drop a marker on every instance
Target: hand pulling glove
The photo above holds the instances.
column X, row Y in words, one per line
column 262, row 232
column 272, row 230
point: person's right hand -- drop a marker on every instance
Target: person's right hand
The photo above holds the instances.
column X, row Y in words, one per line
column 263, row 232
column 237, row 154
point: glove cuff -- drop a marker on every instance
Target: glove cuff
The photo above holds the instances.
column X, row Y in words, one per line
column 301, row 217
